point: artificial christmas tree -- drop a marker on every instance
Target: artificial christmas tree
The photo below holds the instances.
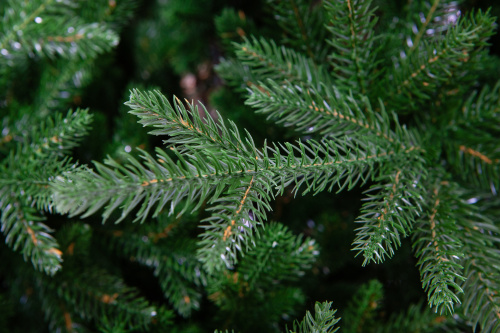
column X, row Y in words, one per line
column 400, row 103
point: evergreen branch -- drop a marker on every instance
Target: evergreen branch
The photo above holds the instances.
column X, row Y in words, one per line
column 423, row 27
column 230, row 228
column 225, row 161
column 280, row 64
column 19, row 23
column 388, row 214
column 96, row 295
column 46, row 32
column 421, row 74
column 323, row 321
column 303, row 22
column 173, row 263
column 351, row 24
column 24, row 231
column 327, row 112
column 437, row 244
column 416, row 319
column 154, row 110
column 471, row 145
column 277, row 256
column 57, row 135
column 59, row 84
column 114, row 13
column 358, row 316
column 352, row 164
column 186, row 127
column 481, row 301
column 478, row 165
column 197, row 177
column 483, row 107
column 26, row 185
column 85, row 191
column 78, row 40
column 236, row 74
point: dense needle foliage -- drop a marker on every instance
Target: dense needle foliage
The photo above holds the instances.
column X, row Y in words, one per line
column 385, row 114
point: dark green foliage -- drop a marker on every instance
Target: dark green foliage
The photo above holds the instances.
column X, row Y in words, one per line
column 362, row 309
column 396, row 102
column 302, row 23
column 173, row 261
column 323, row 320
column 417, row 318
column 354, row 56
column 261, row 279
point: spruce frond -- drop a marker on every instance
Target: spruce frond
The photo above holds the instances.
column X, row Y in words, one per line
column 267, row 61
column 95, row 295
column 196, row 177
column 24, row 231
column 323, row 321
column 429, row 22
column 358, row 316
column 173, row 262
column 303, row 24
column 217, row 164
column 214, row 163
column 159, row 183
column 25, row 186
column 420, row 75
column 438, row 247
column 390, row 213
column 46, row 31
column 57, row 135
column 277, row 256
column 59, row 84
column 232, row 225
column 471, row 145
column 481, row 300
column 418, row 318
column 328, row 112
column 351, row 24
column 236, row 74
column 115, row 14
column 186, row 127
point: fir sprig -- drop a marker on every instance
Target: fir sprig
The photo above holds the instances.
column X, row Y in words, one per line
column 45, row 31
column 470, row 147
column 421, row 74
column 172, row 260
column 389, row 214
column 280, row 64
column 302, row 22
column 353, row 55
column 323, row 321
column 438, row 247
column 25, row 186
column 214, row 163
column 481, row 303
